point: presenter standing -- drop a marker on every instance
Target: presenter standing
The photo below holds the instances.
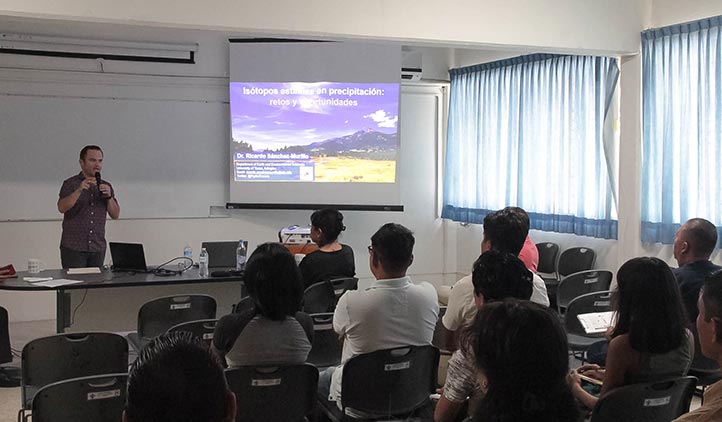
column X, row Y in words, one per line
column 85, row 200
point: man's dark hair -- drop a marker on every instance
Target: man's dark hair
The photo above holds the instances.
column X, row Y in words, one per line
column 506, row 229
column 330, row 221
column 703, row 237
column 522, row 215
column 393, row 246
column 176, row 379
column 498, row 276
column 712, row 298
column 273, row 281
column 84, row 151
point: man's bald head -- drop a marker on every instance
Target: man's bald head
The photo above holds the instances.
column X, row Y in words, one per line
column 694, row 241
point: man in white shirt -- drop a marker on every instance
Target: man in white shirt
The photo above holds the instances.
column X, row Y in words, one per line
column 504, row 231
column 394, row 312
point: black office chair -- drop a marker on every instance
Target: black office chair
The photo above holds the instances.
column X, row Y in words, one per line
column 706, row 370
column 579, row 340
column 341, row 285
column 548, row 252
column 326, row 348
column 576, row 259
column 158, row 315
column 99, row 398
column 387, row 384
column 202, row 329
column 319, row 298
column 583, row 282
column 441, row 333
column 274, row 393
column 660, row 401
column 245, row 304
column 64, row 356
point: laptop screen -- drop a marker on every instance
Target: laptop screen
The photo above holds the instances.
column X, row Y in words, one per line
column 128, row 257
column 221, row 254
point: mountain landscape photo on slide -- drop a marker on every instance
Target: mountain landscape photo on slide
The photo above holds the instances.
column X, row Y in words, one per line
column 350, row 138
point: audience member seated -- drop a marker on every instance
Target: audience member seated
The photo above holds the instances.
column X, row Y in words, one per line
column 693, row 245
column 496, row 277
column 504, row 231
column 331, row 258
column 273, row 330
column 394, row 312
column 649, row 340
column 709, row 327
column 520, row 351
column 176, row 379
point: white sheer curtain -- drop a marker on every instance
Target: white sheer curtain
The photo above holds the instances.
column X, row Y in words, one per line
column 529, row 132
column 682, row 136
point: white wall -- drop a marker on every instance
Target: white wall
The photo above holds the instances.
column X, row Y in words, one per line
column 590, row 25
column 670, row 12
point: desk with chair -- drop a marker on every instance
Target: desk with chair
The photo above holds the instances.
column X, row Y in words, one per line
column 104, row 303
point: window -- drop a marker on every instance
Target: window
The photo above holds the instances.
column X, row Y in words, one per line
column 682, row 127
column 530, row 132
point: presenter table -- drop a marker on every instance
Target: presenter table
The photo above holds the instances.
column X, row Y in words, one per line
column 116, row 298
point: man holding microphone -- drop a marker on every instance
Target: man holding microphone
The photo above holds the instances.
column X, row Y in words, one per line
column 85, row 200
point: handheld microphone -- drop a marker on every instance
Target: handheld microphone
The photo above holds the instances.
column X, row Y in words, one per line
column 97, row 180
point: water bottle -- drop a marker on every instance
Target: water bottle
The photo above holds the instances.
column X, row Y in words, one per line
column 241, row 252
column 203, row 263
column 188, row 253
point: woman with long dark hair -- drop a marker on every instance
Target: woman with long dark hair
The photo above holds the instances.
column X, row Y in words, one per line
column 520, row 351
column 649, row 340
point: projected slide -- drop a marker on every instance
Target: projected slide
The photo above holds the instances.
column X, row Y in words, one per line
column 314, row 132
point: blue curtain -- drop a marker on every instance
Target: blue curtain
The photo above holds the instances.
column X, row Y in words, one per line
column 529, row 131
column 682, row 135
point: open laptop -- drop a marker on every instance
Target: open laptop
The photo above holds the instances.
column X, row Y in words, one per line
column 128, row 257
column 221, row 255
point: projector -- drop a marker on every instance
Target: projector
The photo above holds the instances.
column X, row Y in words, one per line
column 294, row 235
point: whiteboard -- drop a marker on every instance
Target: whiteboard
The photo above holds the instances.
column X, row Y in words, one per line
column 165, row 144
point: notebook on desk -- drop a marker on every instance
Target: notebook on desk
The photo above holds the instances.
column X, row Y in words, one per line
column 128, row 257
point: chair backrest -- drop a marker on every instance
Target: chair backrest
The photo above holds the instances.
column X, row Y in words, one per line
column 705, row 369
column 60, row 357
column 548, row 252
column 274, row 393
column 245, row 304
column 440, row 332
column 583, row 282
column 326, row 348
column 585, row 304
column 319, row 298
column 158, row 315
column 660, row 401
column 99, row 398
column 391, row 381
column 202, row 329
column 577, row 259
column 342, row 284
